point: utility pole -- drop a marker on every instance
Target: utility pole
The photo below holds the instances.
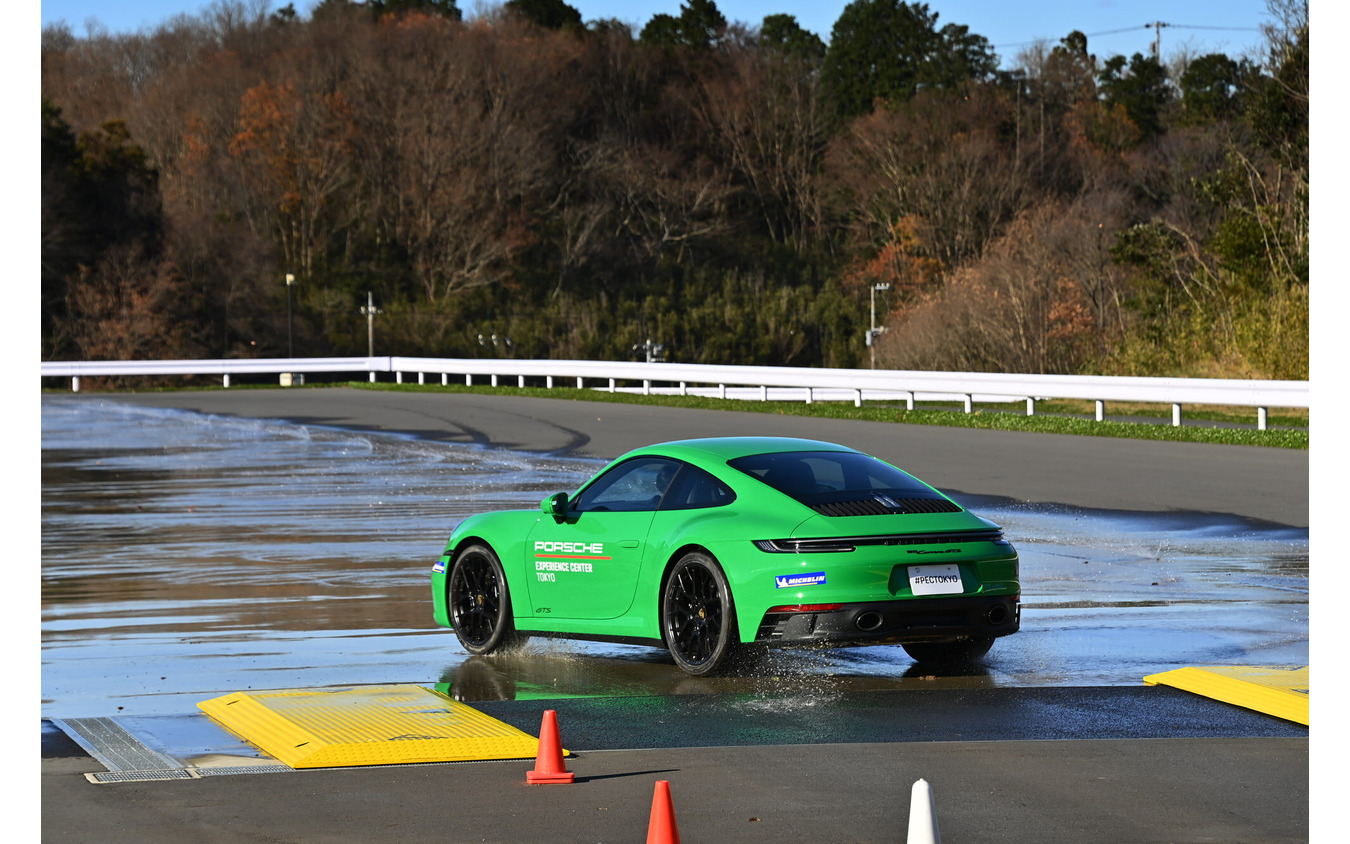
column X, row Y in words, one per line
column 874, row 331
column 1157, row 38
column 290, row 322
column 370, row 311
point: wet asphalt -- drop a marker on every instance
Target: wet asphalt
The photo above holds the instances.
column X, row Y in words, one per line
column 1066, row 764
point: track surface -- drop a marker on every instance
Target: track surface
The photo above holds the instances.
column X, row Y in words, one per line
column 1051, row 765
column 1262, row 484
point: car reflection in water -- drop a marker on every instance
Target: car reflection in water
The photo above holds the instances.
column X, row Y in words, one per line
column 551, row 672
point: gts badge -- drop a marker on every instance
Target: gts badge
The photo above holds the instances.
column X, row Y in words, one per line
column 947, row 551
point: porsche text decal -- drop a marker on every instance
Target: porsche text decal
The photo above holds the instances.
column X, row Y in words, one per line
column 552, row 557
column 587, row 550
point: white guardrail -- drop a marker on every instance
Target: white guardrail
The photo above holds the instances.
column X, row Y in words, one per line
column 765, row 383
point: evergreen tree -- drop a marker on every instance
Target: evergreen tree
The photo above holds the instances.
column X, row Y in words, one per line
column 888, row 49
column 550, row 14
column 1142, row 90
column 699, row 25
column 445, row 8
column 783, row 34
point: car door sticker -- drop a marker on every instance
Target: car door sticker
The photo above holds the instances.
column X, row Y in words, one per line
column 553, row 557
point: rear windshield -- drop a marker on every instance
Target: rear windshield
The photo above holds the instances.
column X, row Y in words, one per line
column 803, row 473
column 843, row 483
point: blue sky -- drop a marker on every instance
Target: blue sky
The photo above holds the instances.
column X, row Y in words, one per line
column 1199, row 26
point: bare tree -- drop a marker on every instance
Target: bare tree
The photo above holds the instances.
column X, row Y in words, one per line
column 763, row 108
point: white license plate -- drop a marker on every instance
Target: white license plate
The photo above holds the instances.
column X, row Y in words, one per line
column 935, row 580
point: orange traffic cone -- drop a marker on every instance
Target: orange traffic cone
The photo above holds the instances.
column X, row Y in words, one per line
column 548, row 763
column 661, row 829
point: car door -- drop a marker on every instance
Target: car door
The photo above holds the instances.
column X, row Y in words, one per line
column 586, row 564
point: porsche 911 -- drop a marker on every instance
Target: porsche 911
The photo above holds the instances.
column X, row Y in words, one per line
column 715, row 549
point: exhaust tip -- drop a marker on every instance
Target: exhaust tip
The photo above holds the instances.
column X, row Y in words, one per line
column 868, row 621
column 997, row 614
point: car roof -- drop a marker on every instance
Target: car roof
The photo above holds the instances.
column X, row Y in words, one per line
column 729, row 448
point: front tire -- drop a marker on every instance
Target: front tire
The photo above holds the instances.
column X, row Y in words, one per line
column 480, row 602
column 949, row 654
column 698, row 621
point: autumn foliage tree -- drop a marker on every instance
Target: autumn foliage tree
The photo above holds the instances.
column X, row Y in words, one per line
column 512, row 181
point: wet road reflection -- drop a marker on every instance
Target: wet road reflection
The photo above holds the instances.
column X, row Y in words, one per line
column 187, row 556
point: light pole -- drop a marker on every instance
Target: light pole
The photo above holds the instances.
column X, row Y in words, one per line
column 370, row 311
column 290, row 322
column 874, row 331
column 656, row 352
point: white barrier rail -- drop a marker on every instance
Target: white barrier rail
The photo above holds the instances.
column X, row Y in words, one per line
column 765, row 382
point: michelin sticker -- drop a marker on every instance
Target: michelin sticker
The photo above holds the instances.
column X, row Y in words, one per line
column 787, row 581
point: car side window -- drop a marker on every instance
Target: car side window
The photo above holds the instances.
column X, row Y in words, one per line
column 634, row 485
column 694, row 489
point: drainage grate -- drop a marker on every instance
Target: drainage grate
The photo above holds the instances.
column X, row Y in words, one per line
column 114, row 747
column 243, row 769
column 140, row 776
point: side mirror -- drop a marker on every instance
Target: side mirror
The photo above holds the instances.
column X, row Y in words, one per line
column 555, row 505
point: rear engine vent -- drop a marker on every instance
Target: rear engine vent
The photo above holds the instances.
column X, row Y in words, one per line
column 884, row 505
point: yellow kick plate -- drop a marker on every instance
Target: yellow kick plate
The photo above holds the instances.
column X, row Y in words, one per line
column 1279, row 690
column 374, row 725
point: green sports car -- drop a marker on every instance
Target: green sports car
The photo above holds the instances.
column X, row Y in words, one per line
column 713, row 548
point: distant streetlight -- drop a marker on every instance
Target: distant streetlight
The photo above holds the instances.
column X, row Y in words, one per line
column 290, row 322
column 656, row 352
column 370, row 311
column 496, row 340
column 874, row 331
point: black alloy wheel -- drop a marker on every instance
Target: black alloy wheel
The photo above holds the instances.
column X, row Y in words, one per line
column 697, row 618
column 480, row 605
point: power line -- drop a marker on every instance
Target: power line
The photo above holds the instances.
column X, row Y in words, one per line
column 1153, row 25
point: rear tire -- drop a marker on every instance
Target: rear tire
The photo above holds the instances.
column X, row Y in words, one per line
column 949, row 654
column 698, row 621
column 480, row 603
